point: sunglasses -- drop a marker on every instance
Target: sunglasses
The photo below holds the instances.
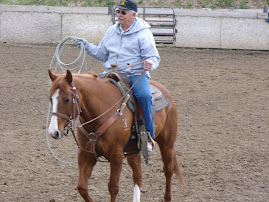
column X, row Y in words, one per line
column 122, row 12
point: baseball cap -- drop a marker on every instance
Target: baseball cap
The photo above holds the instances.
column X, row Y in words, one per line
column 128, row 5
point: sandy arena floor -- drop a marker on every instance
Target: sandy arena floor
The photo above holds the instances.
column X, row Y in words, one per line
column 223, row 143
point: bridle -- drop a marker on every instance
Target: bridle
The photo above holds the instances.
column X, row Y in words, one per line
column 71, row 120
column 92, row 136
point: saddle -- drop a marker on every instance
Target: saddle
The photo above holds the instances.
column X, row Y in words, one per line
column 160, row 101
column 138, row 133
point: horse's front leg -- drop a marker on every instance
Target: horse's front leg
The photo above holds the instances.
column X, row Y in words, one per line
column 115, row 171
column 135, row 163
column 86, row 163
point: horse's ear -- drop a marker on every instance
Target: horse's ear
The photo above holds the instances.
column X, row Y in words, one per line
column 52, row 76
column 68, row 77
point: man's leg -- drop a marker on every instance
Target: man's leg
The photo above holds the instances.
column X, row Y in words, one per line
column 142, row 93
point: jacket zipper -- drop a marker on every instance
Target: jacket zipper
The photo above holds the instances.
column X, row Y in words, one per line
column 119, row 48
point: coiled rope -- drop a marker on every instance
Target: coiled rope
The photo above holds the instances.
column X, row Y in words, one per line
column 64, row 66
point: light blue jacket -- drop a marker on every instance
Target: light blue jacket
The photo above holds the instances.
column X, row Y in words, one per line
column 127, row 48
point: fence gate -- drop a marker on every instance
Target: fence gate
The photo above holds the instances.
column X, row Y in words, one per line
column 162, row 21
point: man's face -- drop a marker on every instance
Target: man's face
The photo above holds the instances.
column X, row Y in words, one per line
column 125, row 17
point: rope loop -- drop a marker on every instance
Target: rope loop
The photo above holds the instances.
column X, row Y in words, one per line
column 79, row 59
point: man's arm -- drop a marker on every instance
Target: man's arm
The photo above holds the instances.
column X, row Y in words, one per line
column 98, row 52
column 149, row 52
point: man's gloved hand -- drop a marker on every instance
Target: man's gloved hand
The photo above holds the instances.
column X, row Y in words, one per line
column 79, row 41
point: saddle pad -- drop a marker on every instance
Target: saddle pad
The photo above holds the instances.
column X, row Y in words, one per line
column 160, row 101
column 155, row 92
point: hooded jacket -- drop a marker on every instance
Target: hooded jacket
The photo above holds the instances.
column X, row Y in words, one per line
column 126, row 48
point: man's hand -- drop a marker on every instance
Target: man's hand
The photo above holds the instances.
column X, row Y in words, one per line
column 79, row 41
column 148, row 65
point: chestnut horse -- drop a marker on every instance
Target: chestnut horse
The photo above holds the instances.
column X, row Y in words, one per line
column 96, row 96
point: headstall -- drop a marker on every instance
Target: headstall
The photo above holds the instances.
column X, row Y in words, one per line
column 92, row 136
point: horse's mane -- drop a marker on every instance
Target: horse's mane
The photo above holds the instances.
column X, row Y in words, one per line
column 89, row 75
column 93, row 74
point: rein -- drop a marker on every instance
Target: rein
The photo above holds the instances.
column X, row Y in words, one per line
column 129, row 90
column 130, row 66
column 93, row 136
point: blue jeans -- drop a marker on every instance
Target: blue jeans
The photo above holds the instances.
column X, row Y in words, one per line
column 143, row 96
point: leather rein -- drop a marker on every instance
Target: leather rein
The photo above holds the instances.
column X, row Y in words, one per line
column 92, row 136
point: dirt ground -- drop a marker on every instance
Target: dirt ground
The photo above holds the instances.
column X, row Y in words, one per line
column 223, row 143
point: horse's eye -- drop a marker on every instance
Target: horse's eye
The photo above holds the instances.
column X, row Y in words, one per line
column 66, row 101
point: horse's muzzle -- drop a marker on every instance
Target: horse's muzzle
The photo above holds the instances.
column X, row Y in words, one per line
column 56, row 135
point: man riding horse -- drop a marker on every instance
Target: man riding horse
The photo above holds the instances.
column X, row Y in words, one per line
column 125, row 43
column 130, row 46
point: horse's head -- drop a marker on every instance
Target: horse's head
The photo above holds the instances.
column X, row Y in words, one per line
column 61, row 97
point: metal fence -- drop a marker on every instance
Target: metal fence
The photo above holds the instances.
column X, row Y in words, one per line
column 162, row 21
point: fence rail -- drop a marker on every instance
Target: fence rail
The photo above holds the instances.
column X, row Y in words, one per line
column 162, row 21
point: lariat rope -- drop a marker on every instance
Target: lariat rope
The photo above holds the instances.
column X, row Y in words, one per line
column 64, row 66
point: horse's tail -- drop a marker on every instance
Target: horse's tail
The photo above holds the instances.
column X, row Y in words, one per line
column 178, row 171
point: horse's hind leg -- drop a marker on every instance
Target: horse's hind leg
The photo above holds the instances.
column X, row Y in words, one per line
column 168, row 166
column 166, row 140
column 135, row 163
column 86, row 165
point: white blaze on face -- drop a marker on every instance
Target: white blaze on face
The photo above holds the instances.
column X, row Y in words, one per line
column 54, row 122
column 136, row 196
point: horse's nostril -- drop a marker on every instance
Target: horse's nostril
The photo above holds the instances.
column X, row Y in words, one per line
column 56, row 135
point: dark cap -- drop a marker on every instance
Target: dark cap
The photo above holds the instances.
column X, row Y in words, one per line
column 128, row 5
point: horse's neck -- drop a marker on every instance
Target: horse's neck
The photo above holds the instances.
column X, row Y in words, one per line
column 86, row 89
column 95, row 96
